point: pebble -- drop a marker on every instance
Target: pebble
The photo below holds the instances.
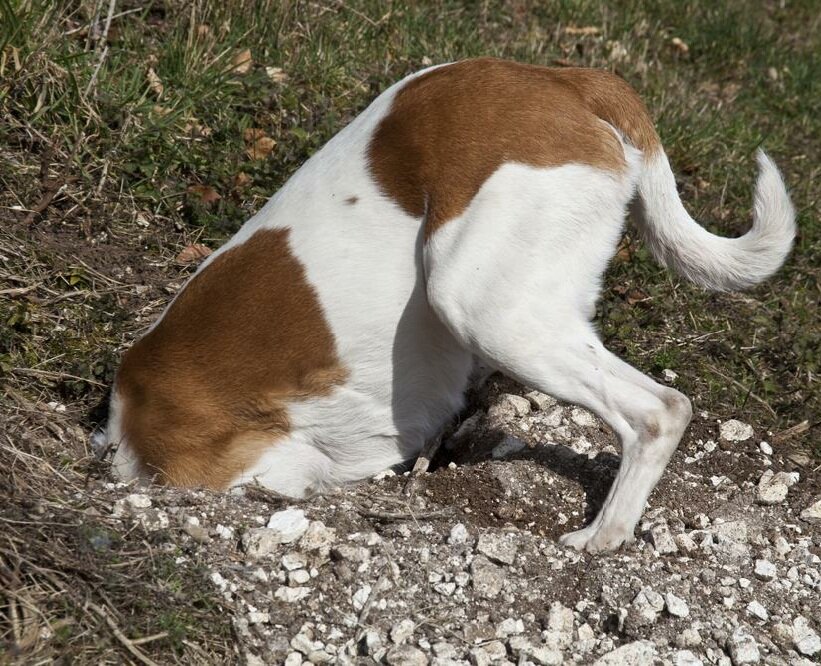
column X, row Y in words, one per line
column 669, row 376
column 645, row 608
column 735, row 431
column 540, row 401
column 458, row 534
column 662, row 539
column 406, row 655
column 742, row 647
column 773, row 487
column 676, row 606
column 488, row 578
column 288, row 525
column 292, row 594
column 805, row 639
column 812, row 514
column 765, row 570
column 509, row 405
column 765, row 448
column 755, row 609
column 581, row 417
column 318, row 537
column 500, row 548
column 402, row 631
column 686, row 658
column 639, row 653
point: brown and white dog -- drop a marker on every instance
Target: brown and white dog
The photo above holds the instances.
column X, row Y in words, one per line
column 469, row 212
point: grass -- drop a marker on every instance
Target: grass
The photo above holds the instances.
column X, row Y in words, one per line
column 120, row 146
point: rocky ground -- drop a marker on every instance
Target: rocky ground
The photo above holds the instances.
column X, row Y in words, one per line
column 466, row 568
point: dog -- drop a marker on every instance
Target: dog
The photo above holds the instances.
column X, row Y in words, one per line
column 469, row 212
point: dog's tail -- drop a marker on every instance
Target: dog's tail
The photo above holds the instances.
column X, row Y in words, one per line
column 723, row 264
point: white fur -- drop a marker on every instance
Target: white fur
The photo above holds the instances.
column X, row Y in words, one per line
column 513, row 281
column 680, row 243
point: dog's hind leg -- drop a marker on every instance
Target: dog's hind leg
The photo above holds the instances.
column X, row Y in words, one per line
column 516, row 278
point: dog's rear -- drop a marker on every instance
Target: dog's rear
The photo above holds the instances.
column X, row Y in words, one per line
column 470, row 211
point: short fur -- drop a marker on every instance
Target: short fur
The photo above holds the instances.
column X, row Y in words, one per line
column 469, row 212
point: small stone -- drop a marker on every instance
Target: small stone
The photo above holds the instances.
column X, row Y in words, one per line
column 676, row 606
column 581, row 417
column 406, row 655
column 154, row 519
column 560, row 618
column 765, row 570
column 686, row 543
column 686, row 658
column 292, row 594
column 298, row 577
column 360, row 597
column 289, row 524
column 688, row 638
column 445, row 650
column 662, row 539
column 734, row 530
column 757, row 610
column 259, row 541
column 488, row 578
column 735, row 431
column 293, row 659
column 372, row 642
column 498, row 547
column 812, row 514
column 197, row 533
column 351, row 553
column 545, row 656
column 509, row 627
column 294, row 560
column 669, row 376
column 645, row 607
column 765, row 448
column 402, row 631
column 507, row 406
column 138, row 501
column 782, row 634
column 742, row 647
column 318, row 537
column 638, row 653
column 772, row 488
column 458, row 534
column 805, row 639
column 540, row 401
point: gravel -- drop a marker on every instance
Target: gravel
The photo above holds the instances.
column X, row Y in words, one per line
column 468, row 569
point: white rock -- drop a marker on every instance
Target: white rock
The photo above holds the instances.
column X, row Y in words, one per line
column 258, row 617
column 298, row 577
column 154, row 519
column 292, row 594
column 259, row 541
column 509, row 405
column 734, row 530
column 639, row 653
column 294, row 560
column 582, row 417
column 670, row 376
column 488, row 578
column 507, row 447
column 540, row 401
column 289, row 524
column 805, row 639
column 688, row 638
column 360, row 597
column 402, row 631
column 742, row 647
column 458, row 534
column 686, row 658
column 757, row 610
column 318, row 537
column 772, row 488
column 812, row 514
column 735, row 431
column 676, row 606
column 765, row 570
column 293, row 659
column 560, row 618
column 224, row 532
column 498, row 547
column 545, row 656
column 138, row 501
column 765, row 448
column 509, row 627
column 645, row 607
column 662, row 539
column 406, row 655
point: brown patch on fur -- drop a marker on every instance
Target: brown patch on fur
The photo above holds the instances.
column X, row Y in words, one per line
column 351, row 200
column 205, row 391
column 448, row 130
column 652, row 429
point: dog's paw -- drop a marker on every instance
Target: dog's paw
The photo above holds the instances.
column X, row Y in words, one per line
column 596, row 538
